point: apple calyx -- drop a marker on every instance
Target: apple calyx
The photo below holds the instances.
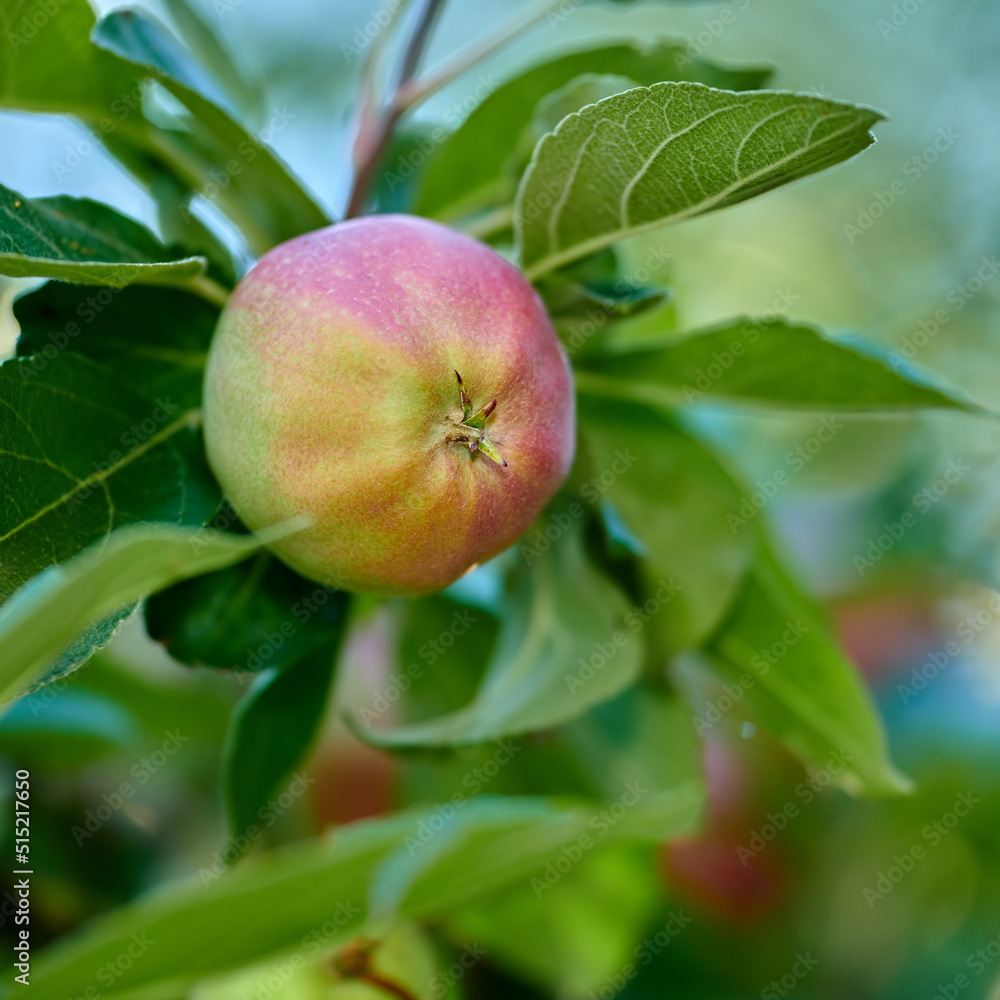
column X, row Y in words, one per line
column 471, row 429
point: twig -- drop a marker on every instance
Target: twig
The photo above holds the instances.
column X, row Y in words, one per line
column 375, row 127
column 417, row 90
column 209, row 289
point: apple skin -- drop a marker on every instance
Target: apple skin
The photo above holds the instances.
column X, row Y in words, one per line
column 331, row 391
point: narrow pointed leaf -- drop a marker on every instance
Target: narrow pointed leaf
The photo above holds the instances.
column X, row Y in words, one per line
column 772, row 363
column 42, row 618
column 798, row 684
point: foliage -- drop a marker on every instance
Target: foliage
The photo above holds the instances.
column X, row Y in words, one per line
column 563, row 652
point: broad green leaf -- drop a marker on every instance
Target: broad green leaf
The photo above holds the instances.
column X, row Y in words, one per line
column 468, row 171
column 673, row 496
column 83, row 241
column 42, row 618
column 443, row 648
column 154, row 339
column 792, row 677
column 322, row 885
column 48, row 64
column 80, row 455
column 669, row 152
column 245, row 618
column 219, row 158
column 271, row 730
column 769, row 363
column 562, row 648
column 83, row 455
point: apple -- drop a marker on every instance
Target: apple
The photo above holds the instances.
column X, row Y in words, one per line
column 399, row 383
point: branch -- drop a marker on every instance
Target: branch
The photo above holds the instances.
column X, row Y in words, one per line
column 376, row 126
column 417, row 90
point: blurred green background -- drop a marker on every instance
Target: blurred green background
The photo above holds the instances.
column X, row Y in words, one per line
column 898, row 273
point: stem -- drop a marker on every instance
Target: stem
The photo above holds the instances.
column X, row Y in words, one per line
column 417, row 90
column 375, row 130
column 209, row 289
column 386, row 986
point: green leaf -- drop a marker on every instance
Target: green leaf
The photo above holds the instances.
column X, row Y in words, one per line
column 154, row 339
column 245, row 618
column 83, row 646
column 271, row 730
column 219, row 158
column 323, row 884
column 83, row 241
column 666, row 153
column 52, row 67
column 215, row 55
column 796, row 682
column 561, row 649
column 42, row 618
column 80, row 455
column 771, row 363
column 673, row 496
column 469, row 169
column 487, row 843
